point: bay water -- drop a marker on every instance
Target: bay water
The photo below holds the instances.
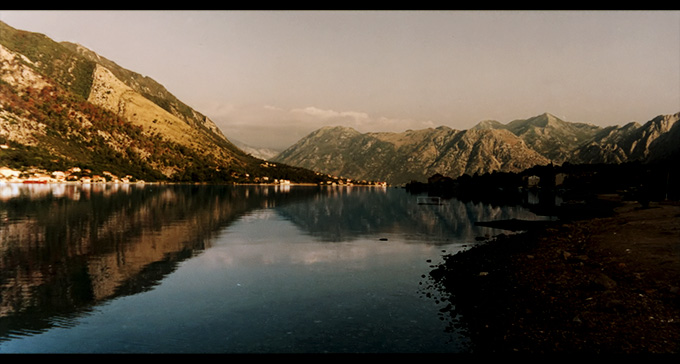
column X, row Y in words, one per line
column 148, row 268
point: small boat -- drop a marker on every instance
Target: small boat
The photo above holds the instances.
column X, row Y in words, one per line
column 35, row 181
column 429, row 200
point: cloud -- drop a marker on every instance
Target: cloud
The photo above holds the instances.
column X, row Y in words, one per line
column 361, row 121
column 278, row 128
column 332, row 114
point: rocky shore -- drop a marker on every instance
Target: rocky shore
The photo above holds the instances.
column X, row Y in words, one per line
column 607, row 285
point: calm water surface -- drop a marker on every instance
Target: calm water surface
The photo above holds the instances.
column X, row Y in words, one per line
column 226, row 269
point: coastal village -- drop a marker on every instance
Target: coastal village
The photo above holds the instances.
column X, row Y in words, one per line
column 79, row 175
column 74, row 174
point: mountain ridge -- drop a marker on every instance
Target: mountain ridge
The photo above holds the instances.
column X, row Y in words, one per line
column 150, row 89
column 484, row 148
column 414, row 154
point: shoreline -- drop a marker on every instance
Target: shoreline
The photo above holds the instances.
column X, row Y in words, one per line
column 31, row 182
column 597, row 285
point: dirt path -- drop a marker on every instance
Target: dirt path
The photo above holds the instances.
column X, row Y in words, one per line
column 604, row 285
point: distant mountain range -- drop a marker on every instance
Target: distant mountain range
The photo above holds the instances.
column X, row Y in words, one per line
column 257, row 152
column 489, row 146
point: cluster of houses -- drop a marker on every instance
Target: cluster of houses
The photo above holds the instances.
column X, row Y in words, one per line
column 74, row 175
column 349, row 182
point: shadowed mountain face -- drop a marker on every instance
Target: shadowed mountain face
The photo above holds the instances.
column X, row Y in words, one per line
column 632, row 142
column 490, row 146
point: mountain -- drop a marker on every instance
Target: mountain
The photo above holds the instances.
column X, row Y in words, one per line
column 665, row 148
column 547, row 134
column 655, row 139
column 63, row 106
column 257, row 152
column 487, row 147
column 488, row 124
column 399, row 158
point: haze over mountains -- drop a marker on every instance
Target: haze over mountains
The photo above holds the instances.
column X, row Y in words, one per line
column 62, row 105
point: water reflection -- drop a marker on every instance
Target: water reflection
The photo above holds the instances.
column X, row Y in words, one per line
column 345, row 214
column 64, row 248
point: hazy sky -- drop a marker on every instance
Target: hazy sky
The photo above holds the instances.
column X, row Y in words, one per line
column 268, row 78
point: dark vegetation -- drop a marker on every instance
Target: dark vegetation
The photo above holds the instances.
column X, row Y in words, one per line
column 581, row 188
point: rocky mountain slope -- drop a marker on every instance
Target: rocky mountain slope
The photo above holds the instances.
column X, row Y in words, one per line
column 63, row 106
column 655, row 139
column 489, row 146
column 550, row 136
column 412, row 155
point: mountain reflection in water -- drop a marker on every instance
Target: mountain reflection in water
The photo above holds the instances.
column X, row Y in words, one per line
column 65, row 249
column 342, row 215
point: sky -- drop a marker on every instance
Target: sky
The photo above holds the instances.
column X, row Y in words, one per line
column 268, row 78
